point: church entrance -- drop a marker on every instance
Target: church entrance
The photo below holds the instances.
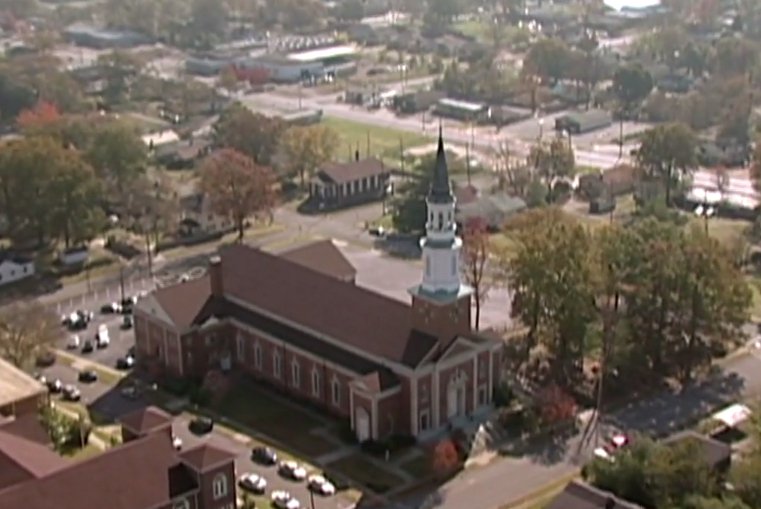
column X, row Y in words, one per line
column 456, row 398
column 362, row 424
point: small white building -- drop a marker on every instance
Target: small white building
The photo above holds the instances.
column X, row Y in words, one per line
column 74, row 256
column 15, row 268
column 197, row 216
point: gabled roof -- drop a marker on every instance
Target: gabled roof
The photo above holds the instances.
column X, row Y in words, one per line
column 134, row 475
column 377, row 381
column 145, row 420
column 351, row 315
column 340, row 173
column 322, row 256
column 181, row 303
column 205, row 456
column 7, row 256
column 22, row 460
column 580, row 495
column 16, row 385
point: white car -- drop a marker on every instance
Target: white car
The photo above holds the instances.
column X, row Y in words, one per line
column 284, row 500
column 102, row 338
column 73, row 343
column 176, row 442
column 321, row 486
column 292, row 470
column 253, row 483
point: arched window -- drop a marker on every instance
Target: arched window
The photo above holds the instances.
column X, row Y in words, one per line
column 441, row 221
column 258, row 355
column 335, row 389
column 316, row 383
column 295, row 373
column 276, row 364
column 219, row 486
column 427, row 265
column 454, row 266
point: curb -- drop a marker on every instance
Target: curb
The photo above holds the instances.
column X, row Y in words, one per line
column 96, row 366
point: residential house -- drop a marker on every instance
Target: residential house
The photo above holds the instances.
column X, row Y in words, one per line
column 580, row 495
column 384, row 365
column 197, row 216
column 493, row 209
column 20, row 394
column 717, row 454
column 14, row 268
column 182, row 154
column 336, row 185
column 146, row 472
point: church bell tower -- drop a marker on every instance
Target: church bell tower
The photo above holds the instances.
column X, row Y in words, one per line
column 441, row 302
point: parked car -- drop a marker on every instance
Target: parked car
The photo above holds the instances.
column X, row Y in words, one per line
column 77, row 320
column 127, row 362
column 45, row 358
column 253, row 483
column 73, row 342
column 292, row 470
column 41, row 378
column 176, row 442
column 130, row 392
column 54, row 386
column 87, row 347
column 318, row 484
column 264, row 455
column 284, row 500
column 111, row 308
column 87, row 376
column 201, row 425
column 71, row 393
column 127, row 322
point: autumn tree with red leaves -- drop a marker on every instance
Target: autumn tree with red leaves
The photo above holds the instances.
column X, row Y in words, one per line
column 237, row 187
column 555, row 405
column 475, row 253
column 43, row 114
column 445, row 457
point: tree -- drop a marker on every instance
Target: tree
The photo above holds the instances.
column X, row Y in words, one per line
column 475, row 253
column 237, row 186
column 350, row 10
column 42, row 115
column 209, row 19
column 15, row 96
column 727, row 502
column 667, row 152
column 735, row 56
column 27, row 329
column 755, row 166
column 152, row 208
column 555, row 404
column 408, row 206
column 250, row 133
column 118, row 68
column 118, row 155
column 305, row 148
column 445, row 457
column 228, row 78
column 513, row 176
column 553, row 160
column 550, row 274
column 631, row 85
column 441, row 12
column 548, row 59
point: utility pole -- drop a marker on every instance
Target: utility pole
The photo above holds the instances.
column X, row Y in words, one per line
column 367, row 153
column 300, row 93
column 121, row 281
column 401, row 154
column 311, row 499
column 467, row 161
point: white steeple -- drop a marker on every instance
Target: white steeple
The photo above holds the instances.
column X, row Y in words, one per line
column 441, row 245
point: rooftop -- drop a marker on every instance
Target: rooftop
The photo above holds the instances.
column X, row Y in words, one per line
column 315, row 55
column 580, row 495
column 340, row 173
column 322, row 256
column 15, row 385
column 462, row 105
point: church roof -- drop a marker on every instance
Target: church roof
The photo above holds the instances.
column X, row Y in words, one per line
column 441, row 191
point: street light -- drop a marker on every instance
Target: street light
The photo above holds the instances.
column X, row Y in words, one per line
column 541, row 128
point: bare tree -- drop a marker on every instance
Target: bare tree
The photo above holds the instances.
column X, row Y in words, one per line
column 27, row 329
column 514, row 176
column 475, row 255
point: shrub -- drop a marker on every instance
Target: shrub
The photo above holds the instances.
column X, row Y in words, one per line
column 445, row 457
column 503, row 395
column 346, row 434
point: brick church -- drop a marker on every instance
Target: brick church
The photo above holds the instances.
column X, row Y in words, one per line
column 300, row 323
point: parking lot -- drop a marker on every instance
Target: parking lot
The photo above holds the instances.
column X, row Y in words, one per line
column 108, row 402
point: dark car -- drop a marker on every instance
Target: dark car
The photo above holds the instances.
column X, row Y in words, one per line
column 45, row 359
column 126, row 362
column 88, row 376
column 87, row 347
column 71, row 393
column 264, row 455
column 127, row 322
column 201, row 425
column 54, row 386
column 130, row 392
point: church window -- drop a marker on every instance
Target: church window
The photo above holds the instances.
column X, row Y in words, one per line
column 316, row 389
column 441, row 221
column 258, row 355
column 295, row 374
column 276, row 364
column 241, row 347
column 427, row 265
column 335, row 389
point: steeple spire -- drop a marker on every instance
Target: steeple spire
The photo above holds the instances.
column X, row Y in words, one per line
column 440, row 190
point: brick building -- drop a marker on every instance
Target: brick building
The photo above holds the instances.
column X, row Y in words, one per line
column 145, row 472
column 387, row 366
column 20, row 394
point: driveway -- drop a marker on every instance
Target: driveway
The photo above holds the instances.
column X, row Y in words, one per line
column 107, row 401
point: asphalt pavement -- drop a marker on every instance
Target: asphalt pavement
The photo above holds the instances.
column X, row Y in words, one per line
column 108, row 402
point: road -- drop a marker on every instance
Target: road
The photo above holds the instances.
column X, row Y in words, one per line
column 108, row 402
column 522, row 469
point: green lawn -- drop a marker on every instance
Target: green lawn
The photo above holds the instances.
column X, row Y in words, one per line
column 366, row 473
column 384, row 141
column 419, row 467
column 272, row 416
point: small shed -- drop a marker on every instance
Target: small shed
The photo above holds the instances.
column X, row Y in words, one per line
column 583, row 121
column 493, row 209
column 74, row 256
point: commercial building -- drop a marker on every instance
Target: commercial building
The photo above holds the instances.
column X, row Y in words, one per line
column 305, row 65
column 146, row 472
column 384, row 365
column 103, row 38
column 463, row 110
